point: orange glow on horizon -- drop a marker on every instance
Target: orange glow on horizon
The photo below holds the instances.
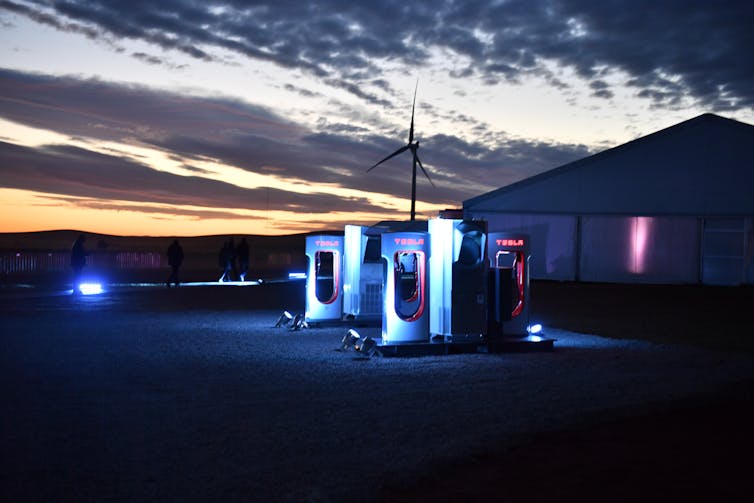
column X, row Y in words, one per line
column 26, row 211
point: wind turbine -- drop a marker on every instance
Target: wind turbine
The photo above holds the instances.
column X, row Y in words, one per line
column 413, row 146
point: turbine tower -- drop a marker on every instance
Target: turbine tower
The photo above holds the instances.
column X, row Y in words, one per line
column 413, row 146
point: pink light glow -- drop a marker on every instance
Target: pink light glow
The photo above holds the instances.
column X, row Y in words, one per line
column 642, row 231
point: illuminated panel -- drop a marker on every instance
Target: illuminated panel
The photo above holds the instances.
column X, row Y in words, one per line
column 409, row 241
column 642, row 231
column 327, row 243
column 510, row 243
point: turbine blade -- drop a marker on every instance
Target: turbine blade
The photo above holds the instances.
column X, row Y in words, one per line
column 413, row 106
column 397, row 152
column 424, row 170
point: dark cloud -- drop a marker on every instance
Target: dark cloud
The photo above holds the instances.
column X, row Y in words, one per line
column 600, row 89
column 191, row 129
column 154, row 60
column 670, row 49
column 306, row 93
column 73, row 171
column 97, row 109
column 35, row 13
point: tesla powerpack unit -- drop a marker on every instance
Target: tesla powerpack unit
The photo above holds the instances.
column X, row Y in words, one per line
column 458, row 278
column 324, row 278
column 362, row 274
column 405, row 313
column 508, row 284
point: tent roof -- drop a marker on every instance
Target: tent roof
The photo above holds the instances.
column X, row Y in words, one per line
column 702, row 166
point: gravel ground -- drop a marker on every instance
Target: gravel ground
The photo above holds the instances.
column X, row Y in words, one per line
column 190, row 394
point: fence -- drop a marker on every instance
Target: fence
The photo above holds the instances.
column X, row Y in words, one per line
column 34, row 261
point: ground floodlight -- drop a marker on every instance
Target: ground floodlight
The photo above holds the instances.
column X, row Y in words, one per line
column 366, row 346
column 90, row 288
column 298, row 322
column 350, row 339
column 535, row 329
column 284, row 319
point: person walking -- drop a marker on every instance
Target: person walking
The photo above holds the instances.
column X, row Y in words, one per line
column 175, row 259
column 226, row 260
column 242, row 251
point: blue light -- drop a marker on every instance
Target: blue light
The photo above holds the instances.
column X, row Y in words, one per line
column 296, row 275
column 90, row 288
column 535, row 329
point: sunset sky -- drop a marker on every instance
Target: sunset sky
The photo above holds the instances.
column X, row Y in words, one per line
column 230, row 117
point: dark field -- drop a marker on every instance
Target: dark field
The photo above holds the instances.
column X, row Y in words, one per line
column 707, row 316
column 697, row 449
column 189, row 395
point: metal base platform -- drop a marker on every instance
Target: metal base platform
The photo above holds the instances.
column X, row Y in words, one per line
column 346, row 322
column 530, row 343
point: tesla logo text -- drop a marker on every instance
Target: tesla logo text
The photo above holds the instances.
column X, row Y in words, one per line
column 510, row 242
column 326, row 243
column 409, row 241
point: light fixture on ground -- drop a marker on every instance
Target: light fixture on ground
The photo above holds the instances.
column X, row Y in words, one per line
column 284, row 319
column 298, row 323
column 366, row 345
column 535, row 332
column 349, row 340
column 535, row 329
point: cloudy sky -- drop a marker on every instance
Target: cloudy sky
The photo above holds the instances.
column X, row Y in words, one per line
column 191, row 117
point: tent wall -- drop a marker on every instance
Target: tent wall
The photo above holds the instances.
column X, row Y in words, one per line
column 639, row 249
column 634, row 249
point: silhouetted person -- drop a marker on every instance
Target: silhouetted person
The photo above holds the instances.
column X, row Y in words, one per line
column 227, row 260
column 78, row 261
column 175, row 259
column 242, row 250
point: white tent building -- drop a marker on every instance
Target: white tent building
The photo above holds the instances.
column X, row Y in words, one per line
column 675, row 206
